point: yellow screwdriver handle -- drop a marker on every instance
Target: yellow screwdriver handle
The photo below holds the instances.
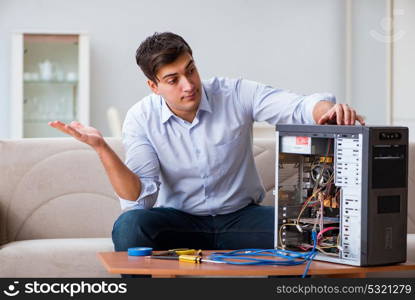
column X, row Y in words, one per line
column 190, row 258
column 185, row 252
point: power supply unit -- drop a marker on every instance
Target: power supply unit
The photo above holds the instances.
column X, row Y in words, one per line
column 348, row 184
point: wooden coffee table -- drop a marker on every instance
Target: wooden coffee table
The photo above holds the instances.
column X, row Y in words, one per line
column 121, row 263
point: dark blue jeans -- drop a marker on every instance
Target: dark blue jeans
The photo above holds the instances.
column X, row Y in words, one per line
column 168, row 228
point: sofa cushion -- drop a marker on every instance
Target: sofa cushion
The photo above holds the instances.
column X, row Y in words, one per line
column 55, row 258
column 264, row 153
column 58, row 188
column 54, row 188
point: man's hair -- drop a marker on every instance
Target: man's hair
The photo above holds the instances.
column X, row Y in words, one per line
column 159, row 50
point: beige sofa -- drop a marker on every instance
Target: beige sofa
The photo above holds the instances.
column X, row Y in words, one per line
column 57, row 207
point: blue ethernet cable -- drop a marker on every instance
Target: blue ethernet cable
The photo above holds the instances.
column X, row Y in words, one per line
column 290, row 257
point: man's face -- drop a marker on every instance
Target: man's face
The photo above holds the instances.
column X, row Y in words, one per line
column 179, row 84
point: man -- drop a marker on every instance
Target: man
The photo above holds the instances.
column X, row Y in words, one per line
column 189, row 147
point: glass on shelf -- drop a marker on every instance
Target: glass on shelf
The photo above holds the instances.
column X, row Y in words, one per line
column 40, row 110
column 59, row 77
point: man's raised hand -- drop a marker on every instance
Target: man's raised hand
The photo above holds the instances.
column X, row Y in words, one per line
column 85, row 134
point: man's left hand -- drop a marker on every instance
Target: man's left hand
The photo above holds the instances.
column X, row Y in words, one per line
column 340, row 114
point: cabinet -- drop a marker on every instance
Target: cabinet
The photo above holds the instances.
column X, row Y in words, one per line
column 49, row 81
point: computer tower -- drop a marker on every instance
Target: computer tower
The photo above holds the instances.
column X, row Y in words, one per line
column 347, row 183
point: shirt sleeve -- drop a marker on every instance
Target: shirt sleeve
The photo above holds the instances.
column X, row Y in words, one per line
column 141, row 158
column 267, row 104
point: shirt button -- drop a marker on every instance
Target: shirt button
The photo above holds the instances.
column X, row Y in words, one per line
column 197, row 151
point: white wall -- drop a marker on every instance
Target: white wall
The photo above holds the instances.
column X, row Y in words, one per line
column 296, row 44
column 291, row 44
column 403, row 109
column 369, row 67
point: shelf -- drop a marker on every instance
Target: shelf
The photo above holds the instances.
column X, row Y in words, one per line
column 45, row 121
column 64, row 60
column 50, row 82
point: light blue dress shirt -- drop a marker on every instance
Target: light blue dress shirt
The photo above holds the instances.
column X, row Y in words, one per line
column 206, row 167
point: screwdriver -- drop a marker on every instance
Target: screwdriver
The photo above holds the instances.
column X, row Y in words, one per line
column 187, row 258
column 179, row 251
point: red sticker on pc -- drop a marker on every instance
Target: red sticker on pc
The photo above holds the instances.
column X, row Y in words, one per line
column 301, row 140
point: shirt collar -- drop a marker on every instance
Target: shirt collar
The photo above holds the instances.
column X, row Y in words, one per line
column 204, row 102
column 166, row 113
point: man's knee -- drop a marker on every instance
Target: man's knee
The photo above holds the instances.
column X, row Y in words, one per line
column 130, row 230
